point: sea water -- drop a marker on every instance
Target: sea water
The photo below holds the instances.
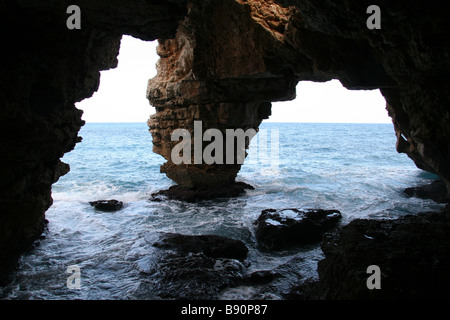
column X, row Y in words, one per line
column 353, row 168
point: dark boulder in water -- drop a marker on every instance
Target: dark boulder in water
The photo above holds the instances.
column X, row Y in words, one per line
column 436, row 191
column 191, row 267
column 193, row 195
column 107, row 205
column 213, row 246
column 281, row 229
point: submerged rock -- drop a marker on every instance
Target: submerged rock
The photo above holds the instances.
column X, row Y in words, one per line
column 294, row 279
column 210, row 245
column 177, row 192
column 281, row 229
column 436, row 191
column 192, row 267
column 107, row 205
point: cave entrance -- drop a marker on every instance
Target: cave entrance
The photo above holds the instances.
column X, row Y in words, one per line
column 121, row 96
column 303, row 121
column 331, row 102
column 115, row 158
column 336, row 149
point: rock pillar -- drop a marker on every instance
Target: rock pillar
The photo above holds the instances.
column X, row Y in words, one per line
column 217, row 71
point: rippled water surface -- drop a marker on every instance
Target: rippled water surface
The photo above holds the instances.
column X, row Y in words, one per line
column 350, row 167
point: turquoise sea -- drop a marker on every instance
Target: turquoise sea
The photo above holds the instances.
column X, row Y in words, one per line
column 353, row 168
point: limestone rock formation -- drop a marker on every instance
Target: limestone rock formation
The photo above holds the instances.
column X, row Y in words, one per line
column 222, row 62
column 242, row 53
column 218, row 77
column 47, row 69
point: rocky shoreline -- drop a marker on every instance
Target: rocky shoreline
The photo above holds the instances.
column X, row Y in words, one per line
column 411, row 252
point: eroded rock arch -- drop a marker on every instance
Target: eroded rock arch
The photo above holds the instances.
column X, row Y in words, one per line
column 221, row 61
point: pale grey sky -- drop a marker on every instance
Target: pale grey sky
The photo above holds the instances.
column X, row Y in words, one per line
column 121, row 95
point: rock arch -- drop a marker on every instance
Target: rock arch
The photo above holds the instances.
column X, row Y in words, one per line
column 221, row 61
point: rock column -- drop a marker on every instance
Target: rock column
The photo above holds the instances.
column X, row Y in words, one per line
column 215, row 71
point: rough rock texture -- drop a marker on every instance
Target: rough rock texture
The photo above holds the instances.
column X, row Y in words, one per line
column 223, row 62
column 210, row 245
column 107, row 205
column 285, row 228
column 413, row 254
column 214, row 71
column 178, row 192
column 242, row 53
column 408, row 59
column 191, row 267
column 47, row 68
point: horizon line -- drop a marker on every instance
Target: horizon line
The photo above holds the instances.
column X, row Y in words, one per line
column 106, row 122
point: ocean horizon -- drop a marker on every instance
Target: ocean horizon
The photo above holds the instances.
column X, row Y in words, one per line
column 350, row 167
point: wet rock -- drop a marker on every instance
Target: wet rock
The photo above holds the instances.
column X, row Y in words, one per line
column 210, row 245
column 436, row 191
column 296, row 278
column 107, row 205
column 191, row 267
column 413, row 254
column 281, row 229
column 191, row 276
column 178, row 192
column 260, row 277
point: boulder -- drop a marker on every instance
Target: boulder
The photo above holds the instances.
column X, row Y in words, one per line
column 193, row 195
column 191, row 267
column 281, row 229
column 107, row 205
column 210, row 245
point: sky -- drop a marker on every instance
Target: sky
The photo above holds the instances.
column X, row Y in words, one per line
column 121, row 96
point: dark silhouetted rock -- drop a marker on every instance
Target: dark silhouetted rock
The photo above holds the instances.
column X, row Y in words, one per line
column 191, row 276
column 191, row 267
column 413, row 254
column 178, row 192
column 260, row 277
column 436, row 191
column 281, row 229
column 107, row 205
column 207, row 72
column 210, row 245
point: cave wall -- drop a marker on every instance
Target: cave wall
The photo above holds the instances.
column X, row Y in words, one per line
column 46, row 69
column 240, row 51
column 222, row 62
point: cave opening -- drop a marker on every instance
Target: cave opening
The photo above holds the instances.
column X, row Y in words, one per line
column 115, row 158
column 121, row 96
column 331, row 102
